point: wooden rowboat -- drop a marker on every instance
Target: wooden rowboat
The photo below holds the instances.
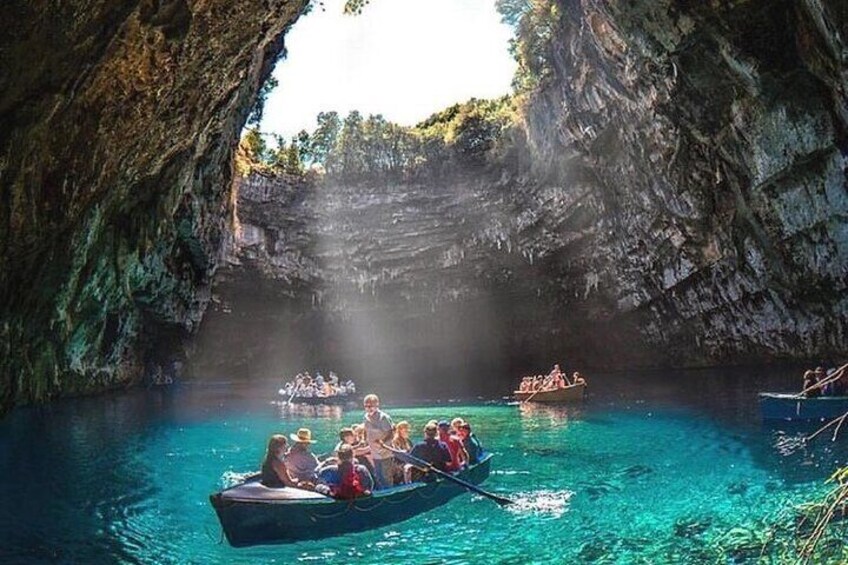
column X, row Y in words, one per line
column 782, row 406
column 253, row 514
column 571, row 393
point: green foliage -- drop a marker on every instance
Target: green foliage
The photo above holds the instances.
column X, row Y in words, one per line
column 356, row 148
column 354, row 7
column 256, row 113
column 254, row 144
column 512, row 11
column 535, row 23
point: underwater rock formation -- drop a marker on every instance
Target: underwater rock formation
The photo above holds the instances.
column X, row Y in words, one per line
column 118, row 122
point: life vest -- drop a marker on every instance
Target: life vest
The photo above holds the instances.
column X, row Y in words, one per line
column 349, row 486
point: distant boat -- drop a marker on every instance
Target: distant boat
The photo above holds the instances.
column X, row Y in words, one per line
column 789, row 406
column 569, row 393
column 336, row 399
column 252, row 514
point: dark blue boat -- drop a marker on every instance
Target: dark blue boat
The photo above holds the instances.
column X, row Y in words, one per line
column 253, row 514
column 783, row 406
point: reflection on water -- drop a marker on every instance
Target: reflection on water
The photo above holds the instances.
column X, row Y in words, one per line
column 649, row 469
column 555, row 414
column 331, row 412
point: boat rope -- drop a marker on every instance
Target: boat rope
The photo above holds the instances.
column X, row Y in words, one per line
column 344, row 510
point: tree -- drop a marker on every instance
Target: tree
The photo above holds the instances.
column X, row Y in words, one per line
column 256, row 147
column 350, row 148
column 322, row 142
column 256, row 113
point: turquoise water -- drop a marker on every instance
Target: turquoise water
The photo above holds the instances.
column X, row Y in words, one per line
column 642, row 473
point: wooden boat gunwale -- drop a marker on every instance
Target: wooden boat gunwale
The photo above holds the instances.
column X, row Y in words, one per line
column 264, row 523
column 791, row 406
column 557, row 393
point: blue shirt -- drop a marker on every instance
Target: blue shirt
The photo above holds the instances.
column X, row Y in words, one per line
column 330, row 476
column 433, row 451
column 474, row 448
column 302, row 465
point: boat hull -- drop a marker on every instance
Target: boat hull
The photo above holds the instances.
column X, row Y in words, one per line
column 338, row 400
column 573, row 393
column 778, row 406
column 253, row 522
column 326, row 400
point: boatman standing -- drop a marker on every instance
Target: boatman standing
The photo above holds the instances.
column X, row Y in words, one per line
column 378, row 429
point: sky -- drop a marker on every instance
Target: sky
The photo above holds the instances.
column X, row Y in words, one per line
column 405, row 59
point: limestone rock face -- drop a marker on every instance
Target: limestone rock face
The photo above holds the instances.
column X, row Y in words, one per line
column 703, row 146
column 687, row 205
column 118, row 122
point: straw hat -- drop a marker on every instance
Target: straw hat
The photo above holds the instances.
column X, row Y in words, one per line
column 303, row 435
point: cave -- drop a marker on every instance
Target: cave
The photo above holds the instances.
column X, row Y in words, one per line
column 675, row 195
column 660, row 201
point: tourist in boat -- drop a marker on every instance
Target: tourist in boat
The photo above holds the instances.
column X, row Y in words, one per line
column 379, row 429
column 300, row 461
column 578, row 379
column 472, row 445
column 346, row 480
column 458, row 455
column 455, row 424
column 810, row 389
column 555, row 372
column 838, row 385
column 401, row 442
column 431, row 450
column 274, row 473
column 825, row 387
column 347, row 436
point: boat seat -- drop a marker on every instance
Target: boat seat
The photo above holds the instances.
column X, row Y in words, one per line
column 258, row 491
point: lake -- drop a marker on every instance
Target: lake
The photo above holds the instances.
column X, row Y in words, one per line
column 659, row 467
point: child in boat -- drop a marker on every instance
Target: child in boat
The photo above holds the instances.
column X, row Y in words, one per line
column 274, row 473
column 347, row 480
column 472, row 445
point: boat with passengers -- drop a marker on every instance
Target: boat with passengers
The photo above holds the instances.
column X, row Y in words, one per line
column 568, row 393
column 823, row 398
column 793, row 406
column 553, row 388
column 252, row 514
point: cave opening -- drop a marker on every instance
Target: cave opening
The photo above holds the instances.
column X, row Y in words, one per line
column 365, row 209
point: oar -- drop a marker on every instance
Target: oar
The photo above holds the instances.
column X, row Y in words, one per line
column 837, row 374
column 532, row 395
column 296, row 388
column 404, row 456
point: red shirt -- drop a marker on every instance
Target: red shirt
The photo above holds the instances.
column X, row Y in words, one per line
column 454, row 446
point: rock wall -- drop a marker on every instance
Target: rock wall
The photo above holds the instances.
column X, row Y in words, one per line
column 704, row 150
column 687, row 206
column 118, row 122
